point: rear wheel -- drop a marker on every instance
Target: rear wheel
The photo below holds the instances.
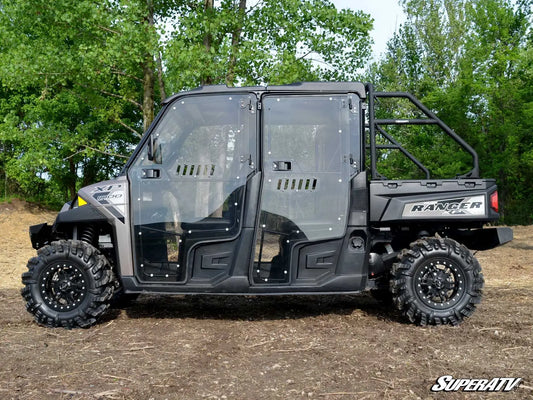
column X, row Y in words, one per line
column 436, row 281
column 68, row 284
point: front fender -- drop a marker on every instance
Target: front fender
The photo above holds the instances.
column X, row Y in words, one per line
column 43, row 234
column 86, row 214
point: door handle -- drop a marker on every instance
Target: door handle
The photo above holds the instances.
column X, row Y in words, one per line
column 151, row 174
column 281, row 165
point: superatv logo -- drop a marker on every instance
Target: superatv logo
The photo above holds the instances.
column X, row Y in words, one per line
column 465, row 206
column 448, row 383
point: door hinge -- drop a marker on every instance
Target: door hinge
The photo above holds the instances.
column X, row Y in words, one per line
column 249, row 104
column 352, row 105
column 248, row 159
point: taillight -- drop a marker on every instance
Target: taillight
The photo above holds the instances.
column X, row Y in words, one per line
column 494, row 201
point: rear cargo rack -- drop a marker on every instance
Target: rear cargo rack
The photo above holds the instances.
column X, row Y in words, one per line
column 376, row 126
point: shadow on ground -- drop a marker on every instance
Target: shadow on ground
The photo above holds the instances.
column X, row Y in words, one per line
column 256, row 308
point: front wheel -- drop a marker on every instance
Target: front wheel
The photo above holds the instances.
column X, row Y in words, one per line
column 436, row 281
column 69, row 284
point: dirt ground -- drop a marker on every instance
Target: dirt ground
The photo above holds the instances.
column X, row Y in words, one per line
column 343, row 347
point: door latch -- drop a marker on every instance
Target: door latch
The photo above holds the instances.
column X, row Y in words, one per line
column 281, row 165
column 151, row 174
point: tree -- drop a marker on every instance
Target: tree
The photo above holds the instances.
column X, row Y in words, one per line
column 82, row 68
column 265, row 42
column 82, row 80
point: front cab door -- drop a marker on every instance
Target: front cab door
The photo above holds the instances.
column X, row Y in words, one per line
column 187, row 189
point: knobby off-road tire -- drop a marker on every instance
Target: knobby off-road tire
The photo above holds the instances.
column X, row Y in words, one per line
column 69, row 284
column 437, row 281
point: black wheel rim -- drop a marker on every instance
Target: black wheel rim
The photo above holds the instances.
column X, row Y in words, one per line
column 63, row 286
column 440, row 283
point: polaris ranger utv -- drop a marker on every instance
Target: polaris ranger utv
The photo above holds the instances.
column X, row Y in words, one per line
column 266, row 191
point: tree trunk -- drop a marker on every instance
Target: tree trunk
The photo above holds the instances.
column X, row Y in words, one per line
column 90, row 172
column 235, row 41
column 208, row 39
column 72, row 181
column 148, row 93
column 148, row 76
column 162, row 90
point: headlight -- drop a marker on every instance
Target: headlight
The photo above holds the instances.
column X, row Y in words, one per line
column 78, row 202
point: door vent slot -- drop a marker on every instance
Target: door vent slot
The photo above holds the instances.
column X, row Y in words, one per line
column 306, row 184
column 195, row 170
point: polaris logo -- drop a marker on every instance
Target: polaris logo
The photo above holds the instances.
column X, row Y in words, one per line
column 447, row 383
column 463, row 206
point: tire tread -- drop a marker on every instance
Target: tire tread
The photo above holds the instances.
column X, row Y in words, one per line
column 407, row 301
column 92, row 261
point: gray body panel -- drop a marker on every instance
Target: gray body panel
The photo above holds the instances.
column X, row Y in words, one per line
column 111, row 198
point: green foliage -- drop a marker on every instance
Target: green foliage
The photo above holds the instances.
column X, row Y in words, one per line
column 80, row 80
column 471, row 61
column 271, row 42
column 71, row 88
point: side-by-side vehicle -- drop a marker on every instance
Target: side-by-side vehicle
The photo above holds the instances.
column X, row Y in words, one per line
column 268, row 191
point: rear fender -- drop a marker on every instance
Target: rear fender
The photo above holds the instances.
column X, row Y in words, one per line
column 482, row 239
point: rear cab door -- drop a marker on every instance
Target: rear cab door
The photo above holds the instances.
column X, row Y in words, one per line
column 309, row 142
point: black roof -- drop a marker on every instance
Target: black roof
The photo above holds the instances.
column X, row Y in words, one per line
column 300, row 87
